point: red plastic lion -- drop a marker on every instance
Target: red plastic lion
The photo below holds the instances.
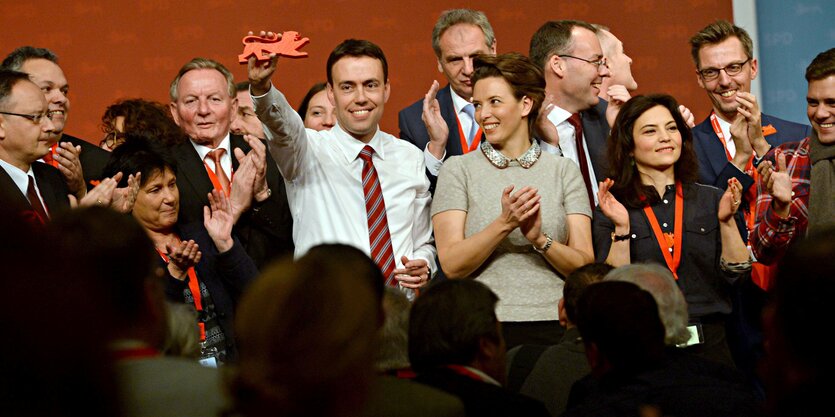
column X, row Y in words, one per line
column 261, row 46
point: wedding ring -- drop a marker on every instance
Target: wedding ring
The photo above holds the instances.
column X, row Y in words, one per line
column 736, row 202
column 99, row 202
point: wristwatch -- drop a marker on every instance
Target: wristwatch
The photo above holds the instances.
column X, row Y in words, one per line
column 548, row 242
column 619, row 238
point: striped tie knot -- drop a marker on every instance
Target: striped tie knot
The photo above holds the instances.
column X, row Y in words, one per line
column 366, row 153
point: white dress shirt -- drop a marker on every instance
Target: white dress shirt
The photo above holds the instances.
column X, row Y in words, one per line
column 726, row 131
column 568, row 147
column 225, row 159
column 322, row 172
column 434, row 164
column 21, row 180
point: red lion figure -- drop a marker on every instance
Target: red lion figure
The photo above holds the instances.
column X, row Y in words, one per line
column 262, row 46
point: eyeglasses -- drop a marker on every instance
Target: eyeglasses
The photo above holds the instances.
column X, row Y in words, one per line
column 600, row 62
column 710, row 74
column 113, row 139
column 34, row 118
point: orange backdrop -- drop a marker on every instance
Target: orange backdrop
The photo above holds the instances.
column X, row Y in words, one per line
column 120, row 49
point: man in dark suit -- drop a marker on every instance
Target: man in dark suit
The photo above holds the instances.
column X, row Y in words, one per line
column 574, row 67
column 459, row 35
column 80, row 162
column 456, row 345
column 725, row 66
column 204, row 105
column 27, row 186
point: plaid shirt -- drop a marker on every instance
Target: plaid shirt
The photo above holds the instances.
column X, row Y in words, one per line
column 773, row 234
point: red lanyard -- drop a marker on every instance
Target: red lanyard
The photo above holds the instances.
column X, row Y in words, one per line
column 464, row 147
column 749, row 214
column 462, row 370
column 671, row 255
column 216, row 182
column 194, row 287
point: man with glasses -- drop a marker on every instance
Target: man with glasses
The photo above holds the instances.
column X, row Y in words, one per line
column 80, row 162
column 572, row 60
column 26, row 186
column 736, row 129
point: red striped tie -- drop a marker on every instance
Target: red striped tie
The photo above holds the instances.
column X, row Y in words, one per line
column 378, row 226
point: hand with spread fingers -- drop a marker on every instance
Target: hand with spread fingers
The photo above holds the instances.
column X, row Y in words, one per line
column 414, row 274
column 101, row 195
column 218, row 220
column 260, row 73
column 612, row 208
column 69, row 164
column 778, row 184
column 435, row 124
column 124, row 198
column 181, row 257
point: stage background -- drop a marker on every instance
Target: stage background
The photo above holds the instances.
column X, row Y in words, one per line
column 111, row 50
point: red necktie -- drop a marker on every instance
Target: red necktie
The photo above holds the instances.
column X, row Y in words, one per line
column 581, row 155
column 35, row 201
column 378, row 227
column 221, row 175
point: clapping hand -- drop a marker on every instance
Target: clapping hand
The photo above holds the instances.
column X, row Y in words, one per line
column 435, row 124
column 519, row 206
column 181, row 257
column 69, row 164
column 730, row 201
column 218, row 220
column 414, row 274
column 611, row 207
column 101, row 195
column 777, row 183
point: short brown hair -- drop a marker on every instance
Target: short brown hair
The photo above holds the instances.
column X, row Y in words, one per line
column 716, row 32
column 822, row 66
column 554, row 38
column 524, row 77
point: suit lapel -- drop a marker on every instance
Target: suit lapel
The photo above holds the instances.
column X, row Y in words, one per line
column 193, row 172
column 50, row 193
column 711, row 145
column 595, row 131
column 10, row 195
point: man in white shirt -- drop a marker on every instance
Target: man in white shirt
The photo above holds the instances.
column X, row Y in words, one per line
column 335, row 178
column 574, row 67
column 458, row 37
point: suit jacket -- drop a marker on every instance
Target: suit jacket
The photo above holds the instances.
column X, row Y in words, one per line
column 714, row 167
column 51, row 184
column 226, row 276
column 596, row 133
column 266, row 229
column 413, row 130
column 93, row 159
column 481, row 398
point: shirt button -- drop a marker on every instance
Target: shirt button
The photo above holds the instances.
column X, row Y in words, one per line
column 792, row 193
column 634, row 236
column 702, row 229
column 664, row 224
column 666, row 202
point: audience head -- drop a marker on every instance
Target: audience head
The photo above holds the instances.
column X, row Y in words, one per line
column 458, row 37
column 798, row 363
column 203, row 101
column 358, row 86
column 54, row 361
column 307, row 335
column 454, row 323
column 620, row 64
column 644, row 125
column 660, row 283
column 138, row 115
column 573, row 62
column 725, row 64
column 23, row 135
column 620, row 327
column 575, row 283
column 246, row 122
column 393, row 349
column 521, row 89
column 158, row 202
column 42, row 66
column 820, row 97
column 316, row 110
column 118, row 254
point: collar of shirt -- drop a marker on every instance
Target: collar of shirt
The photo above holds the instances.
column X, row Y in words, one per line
column 20, row 178
column 458, row 104
column 726, row 131
column 350, row 147
column 225, row 160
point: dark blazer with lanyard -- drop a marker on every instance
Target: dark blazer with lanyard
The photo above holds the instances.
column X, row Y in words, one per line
column 413, row 130
column 265, row 230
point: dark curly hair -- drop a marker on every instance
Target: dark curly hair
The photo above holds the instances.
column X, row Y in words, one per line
column 143, row 116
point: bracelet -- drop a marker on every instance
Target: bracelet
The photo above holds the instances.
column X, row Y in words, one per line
column 619, row 238
column 548, row 242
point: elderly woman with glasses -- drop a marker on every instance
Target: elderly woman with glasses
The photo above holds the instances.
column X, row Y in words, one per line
column 507, row 214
